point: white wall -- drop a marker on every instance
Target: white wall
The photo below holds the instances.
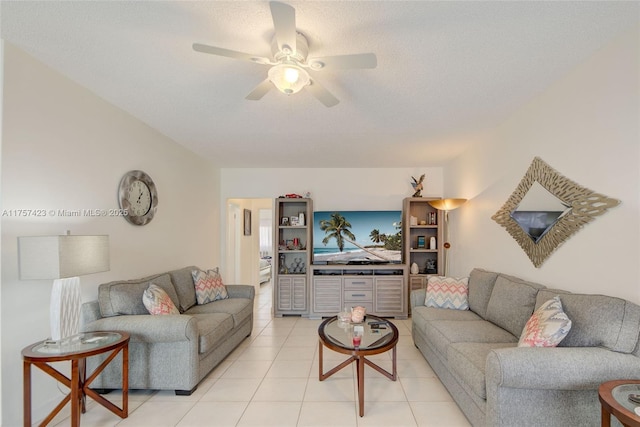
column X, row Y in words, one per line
column 65, row 148
column 586, row 126
column 333, row 188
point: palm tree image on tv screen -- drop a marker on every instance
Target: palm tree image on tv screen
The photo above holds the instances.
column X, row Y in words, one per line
column 357, row 237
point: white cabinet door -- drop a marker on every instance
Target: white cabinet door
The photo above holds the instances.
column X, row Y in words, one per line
column 389, row 295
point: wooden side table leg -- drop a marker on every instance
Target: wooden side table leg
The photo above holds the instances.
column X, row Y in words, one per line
column 320, row 370
column 26, row 393
column 82, row 372
column 125, row 381
column 75, row 394
column 606, row 418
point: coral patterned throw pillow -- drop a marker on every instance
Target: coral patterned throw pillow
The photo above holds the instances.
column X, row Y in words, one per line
column 157, row 301
column 209, row 286
column 447, row 292
column 547, row 326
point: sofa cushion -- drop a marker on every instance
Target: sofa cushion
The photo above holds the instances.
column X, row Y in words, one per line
column 212, row 328
column 239, row 308
column 441, row 333
column 183, row 283
column 125, row 297
column 547, row 326
column 421, row 315
column 447, row 292
column 512, row 302
column 598, row 320
column 467, row 362
column 208, row 286
column 156, row 301
column 481, row 284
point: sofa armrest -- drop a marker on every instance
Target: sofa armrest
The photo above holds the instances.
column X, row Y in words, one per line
column 241, row 291
column 559, row 368
column 417, row 297
column 148, row 328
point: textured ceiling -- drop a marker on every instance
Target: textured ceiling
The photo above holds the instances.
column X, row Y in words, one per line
column 447, row 71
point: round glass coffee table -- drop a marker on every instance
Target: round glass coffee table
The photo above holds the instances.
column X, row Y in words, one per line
column 377, row 336
column 614, row 398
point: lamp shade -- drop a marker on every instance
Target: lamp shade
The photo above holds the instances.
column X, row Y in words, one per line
column 447, row 204
column 56, row 257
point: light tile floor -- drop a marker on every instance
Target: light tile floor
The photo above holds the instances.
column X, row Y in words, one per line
column 271, row 379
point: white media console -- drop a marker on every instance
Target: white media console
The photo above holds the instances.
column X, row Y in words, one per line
column 381, row 289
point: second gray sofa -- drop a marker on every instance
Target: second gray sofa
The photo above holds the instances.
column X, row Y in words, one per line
column 495, row 383
column 168, row 352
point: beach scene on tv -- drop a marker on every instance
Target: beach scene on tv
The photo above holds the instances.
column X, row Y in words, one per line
column 357, row 237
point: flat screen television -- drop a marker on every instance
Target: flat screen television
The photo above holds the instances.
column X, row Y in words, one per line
column 357, row 237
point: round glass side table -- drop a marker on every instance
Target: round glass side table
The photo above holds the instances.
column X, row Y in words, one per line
column 76, row 349
column 614, row 399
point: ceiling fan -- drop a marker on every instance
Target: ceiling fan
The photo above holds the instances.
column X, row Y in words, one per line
column 288, row 72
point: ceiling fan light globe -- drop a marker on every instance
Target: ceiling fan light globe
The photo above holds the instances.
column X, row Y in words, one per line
column 288, row 78
column 291, row 75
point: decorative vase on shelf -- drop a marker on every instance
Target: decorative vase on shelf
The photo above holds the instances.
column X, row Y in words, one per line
column 432, row 243
column 431, row 266
column 414, row 268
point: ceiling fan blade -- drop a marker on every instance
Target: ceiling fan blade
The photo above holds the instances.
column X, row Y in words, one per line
column 322, row 94
column 284, row 22
column 260, row 90
column 358, row 60
column 213, row 50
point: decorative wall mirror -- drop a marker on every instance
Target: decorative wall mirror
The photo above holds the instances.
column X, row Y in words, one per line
column 546, row 209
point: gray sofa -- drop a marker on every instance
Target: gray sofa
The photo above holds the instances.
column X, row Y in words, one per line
column 168, row 352
column 495, row 383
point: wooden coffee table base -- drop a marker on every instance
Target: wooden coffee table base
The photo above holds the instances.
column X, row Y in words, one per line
column 358, row 356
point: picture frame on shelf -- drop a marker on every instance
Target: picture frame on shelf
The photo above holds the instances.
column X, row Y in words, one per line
column 284, row 221
column 432, row 219
column 294, row 221
column 421, row 242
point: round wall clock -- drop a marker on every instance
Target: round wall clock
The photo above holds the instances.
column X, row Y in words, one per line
column 138, row 196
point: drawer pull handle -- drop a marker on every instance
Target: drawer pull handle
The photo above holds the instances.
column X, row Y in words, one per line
column 358, row 295
column 358, row 283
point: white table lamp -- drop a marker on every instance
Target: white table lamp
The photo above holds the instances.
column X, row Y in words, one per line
column 63, row 258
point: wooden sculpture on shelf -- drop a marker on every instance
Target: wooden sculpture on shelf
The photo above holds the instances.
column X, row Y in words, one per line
column 417, row 186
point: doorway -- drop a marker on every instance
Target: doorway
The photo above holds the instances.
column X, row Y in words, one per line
column 244, row 252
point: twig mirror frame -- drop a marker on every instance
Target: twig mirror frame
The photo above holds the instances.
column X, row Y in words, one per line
column 585, row 206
